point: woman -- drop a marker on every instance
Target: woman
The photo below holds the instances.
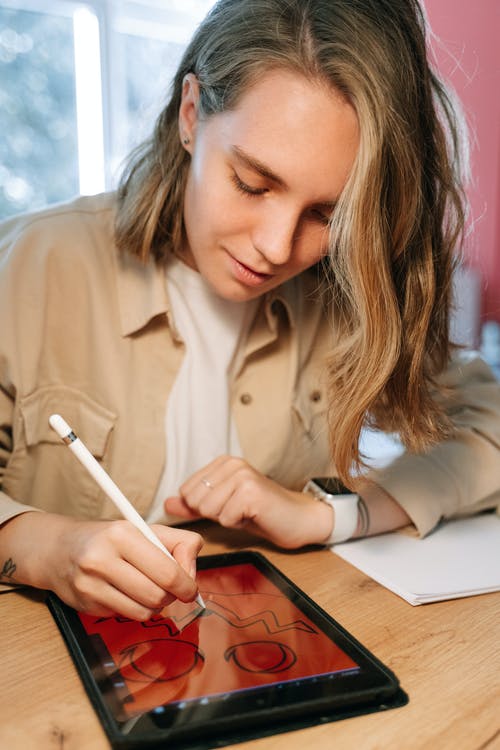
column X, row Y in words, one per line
column 273, row 273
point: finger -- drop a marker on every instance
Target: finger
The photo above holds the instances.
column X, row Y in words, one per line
column 160, row 568
column 208, row 490
column 135, row 585
column 184, row 545
column 234, row 495
column 209, row 502
column 178, row 507
column 239, row 510
column 205, row 472
column 167, row 574
column 95, row 596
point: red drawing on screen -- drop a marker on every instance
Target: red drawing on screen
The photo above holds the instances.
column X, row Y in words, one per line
column 249, row 635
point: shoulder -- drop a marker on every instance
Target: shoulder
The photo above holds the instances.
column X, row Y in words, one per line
column 86, row 220
column 55, row 251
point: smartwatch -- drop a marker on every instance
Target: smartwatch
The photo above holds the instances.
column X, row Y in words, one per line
column 344, row 503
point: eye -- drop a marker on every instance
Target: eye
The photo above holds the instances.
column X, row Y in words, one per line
column 242, row 187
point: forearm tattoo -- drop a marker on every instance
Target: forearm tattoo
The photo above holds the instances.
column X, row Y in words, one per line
column 7, row 573
column 364, row 518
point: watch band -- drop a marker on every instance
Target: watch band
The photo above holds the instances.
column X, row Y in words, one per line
column 345, row 507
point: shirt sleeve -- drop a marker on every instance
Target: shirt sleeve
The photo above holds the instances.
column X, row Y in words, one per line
column 459, row 476
column 9, row 233
column 8, row 507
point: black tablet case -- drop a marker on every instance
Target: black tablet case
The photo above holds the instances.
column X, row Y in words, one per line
column 227, row 737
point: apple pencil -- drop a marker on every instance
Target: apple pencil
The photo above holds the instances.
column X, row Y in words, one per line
column 106, row 483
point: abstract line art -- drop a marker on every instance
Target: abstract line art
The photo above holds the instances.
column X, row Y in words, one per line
column 249, row 635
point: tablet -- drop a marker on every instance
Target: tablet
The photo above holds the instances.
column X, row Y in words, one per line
column 261, row 658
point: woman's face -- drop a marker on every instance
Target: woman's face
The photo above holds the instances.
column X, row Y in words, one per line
column 263, row 181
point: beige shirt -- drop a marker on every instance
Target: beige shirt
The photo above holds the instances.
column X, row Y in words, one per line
column 88, row 333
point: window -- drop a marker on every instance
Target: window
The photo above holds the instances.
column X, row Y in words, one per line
column 80, row 85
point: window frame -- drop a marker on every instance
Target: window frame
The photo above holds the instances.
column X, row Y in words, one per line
column 148, row 19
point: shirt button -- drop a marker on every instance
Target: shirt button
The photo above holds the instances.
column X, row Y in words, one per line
column 315, row 396
column 246, row 398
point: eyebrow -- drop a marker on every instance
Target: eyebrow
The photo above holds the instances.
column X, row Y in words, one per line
column 257, row 166
column 262, row 169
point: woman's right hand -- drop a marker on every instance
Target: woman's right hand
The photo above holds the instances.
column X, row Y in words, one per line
column 101, row 567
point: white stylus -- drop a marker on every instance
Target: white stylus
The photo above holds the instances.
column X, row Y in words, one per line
column 106, row 483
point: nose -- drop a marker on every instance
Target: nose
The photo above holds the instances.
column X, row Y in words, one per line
column 274, row 236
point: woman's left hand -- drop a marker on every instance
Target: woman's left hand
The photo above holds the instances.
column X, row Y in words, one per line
column 230, row 491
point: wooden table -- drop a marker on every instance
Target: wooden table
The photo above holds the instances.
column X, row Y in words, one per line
column 446, row 655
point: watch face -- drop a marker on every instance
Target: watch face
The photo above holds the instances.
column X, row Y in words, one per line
column 332, row 486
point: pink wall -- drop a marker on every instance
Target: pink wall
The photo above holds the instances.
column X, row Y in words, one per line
column 468, row 53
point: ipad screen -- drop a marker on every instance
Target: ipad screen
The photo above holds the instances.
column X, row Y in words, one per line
column 250, row 635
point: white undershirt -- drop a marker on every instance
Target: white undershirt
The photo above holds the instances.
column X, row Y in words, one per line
column 198, row 422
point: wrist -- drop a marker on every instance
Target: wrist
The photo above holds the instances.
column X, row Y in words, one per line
column 324, row 516
column 17, row 544
column 343, row 504
column 24, row 541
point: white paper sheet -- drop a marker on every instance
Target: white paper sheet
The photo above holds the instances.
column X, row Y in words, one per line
column 460, row 558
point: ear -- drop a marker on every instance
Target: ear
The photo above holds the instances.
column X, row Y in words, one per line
column 188, row 111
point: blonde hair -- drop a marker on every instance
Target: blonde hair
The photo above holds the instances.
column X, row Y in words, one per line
column 394, row 230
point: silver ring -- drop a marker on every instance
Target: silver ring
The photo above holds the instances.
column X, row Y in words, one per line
column 207, row 483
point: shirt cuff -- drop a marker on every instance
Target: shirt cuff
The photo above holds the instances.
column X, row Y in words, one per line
column 439, row 484
column 10, row 508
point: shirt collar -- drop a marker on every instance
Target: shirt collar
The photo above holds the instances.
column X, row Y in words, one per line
column 284, row 296
column 142, row 293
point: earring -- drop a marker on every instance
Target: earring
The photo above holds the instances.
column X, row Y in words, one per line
column 185, row 140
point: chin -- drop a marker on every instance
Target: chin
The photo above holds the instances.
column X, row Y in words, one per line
column 234, row 292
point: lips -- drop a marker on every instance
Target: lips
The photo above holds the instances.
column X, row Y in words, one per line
column 247, row 275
